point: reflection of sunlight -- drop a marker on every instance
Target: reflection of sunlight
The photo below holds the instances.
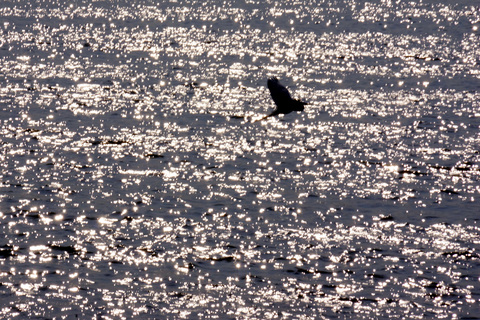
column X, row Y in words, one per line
column 135, row 182
column 124, row 282
column 392, row 168
column 38, row 248
column 347, row 290
column 170, row 174
column 106, row 221
column 27, row 286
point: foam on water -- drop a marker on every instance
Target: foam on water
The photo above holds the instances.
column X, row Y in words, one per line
column 134, row 182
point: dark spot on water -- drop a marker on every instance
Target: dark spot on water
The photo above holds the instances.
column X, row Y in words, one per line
column 351, row 299
column 449, row 191
column 6, row 253
column 386, row 218
column 154, row 156
column 115, row 142
column 226, row 259
column 33, row 215
column 109, row 142
column 178, row 294
column 299, row 270
column 329, row 286
column 371, row 300
column 431, row 285
column 412, row 172
column 66, row 249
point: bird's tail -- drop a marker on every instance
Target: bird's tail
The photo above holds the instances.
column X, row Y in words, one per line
column 299, row 105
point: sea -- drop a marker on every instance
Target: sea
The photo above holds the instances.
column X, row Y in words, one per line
column 138, row 179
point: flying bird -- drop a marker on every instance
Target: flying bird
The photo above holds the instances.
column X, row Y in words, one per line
column 283, row 100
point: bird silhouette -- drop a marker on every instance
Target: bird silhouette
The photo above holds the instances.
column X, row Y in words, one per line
column 283, row 100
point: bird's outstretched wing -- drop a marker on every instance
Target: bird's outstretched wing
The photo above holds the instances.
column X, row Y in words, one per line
column 279, row 93
column 284, row 102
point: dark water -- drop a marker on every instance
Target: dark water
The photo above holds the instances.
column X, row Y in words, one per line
column 136, row 184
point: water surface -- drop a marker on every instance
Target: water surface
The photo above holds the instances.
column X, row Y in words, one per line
column 135, row 184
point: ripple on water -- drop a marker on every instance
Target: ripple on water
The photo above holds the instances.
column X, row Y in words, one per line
column 136, row 184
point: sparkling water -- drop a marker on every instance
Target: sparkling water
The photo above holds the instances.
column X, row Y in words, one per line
column 136, row 182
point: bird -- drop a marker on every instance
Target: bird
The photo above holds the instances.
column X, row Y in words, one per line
column 284, row 102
